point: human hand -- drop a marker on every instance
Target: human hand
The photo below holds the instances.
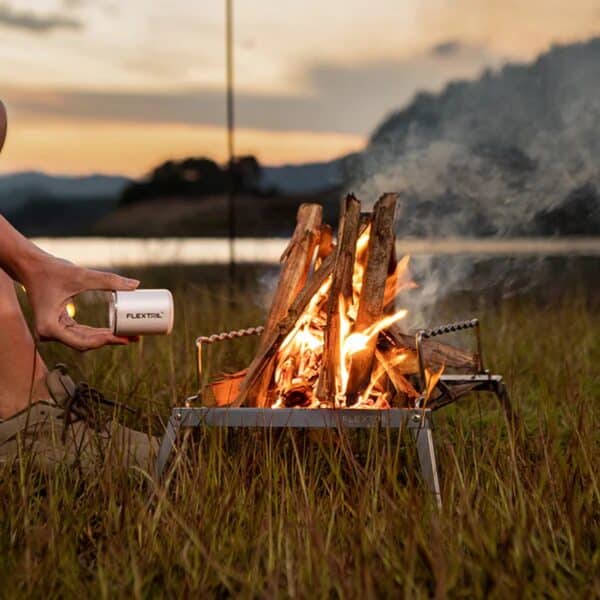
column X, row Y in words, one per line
column 51, row 283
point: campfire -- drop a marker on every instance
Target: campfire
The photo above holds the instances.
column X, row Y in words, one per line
column 333, row 353
column 333, row 335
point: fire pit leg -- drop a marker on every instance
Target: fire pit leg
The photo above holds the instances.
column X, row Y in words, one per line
column 417, row 420
column 504, row 398
column 423, row 434
column 167, row 445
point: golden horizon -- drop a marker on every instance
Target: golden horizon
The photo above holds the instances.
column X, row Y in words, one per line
column 133, row 149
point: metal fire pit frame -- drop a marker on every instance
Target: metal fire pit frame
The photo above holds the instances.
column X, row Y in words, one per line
column 418, row 421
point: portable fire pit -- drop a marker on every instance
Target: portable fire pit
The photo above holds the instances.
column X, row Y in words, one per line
column 332, row 353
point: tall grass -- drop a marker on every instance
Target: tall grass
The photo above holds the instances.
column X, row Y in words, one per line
column 297, row 514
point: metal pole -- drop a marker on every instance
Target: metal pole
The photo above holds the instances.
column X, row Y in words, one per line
column 230, row 137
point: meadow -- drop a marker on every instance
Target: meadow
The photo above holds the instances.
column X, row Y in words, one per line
column 299, row 515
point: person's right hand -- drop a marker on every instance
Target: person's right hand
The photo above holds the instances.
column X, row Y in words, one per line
column 51, row 283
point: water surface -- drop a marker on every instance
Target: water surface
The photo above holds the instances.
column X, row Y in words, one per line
column 127, row 252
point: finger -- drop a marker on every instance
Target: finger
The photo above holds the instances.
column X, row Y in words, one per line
column 82, row 337
column 102, row 280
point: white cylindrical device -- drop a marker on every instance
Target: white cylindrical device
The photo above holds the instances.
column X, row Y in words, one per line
column 141, row 312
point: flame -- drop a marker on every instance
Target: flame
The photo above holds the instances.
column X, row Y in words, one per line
column 358, row 273
column 308, row 340
column 300, row 356
column 431, row 379
column 341, row 380
column 356, row 342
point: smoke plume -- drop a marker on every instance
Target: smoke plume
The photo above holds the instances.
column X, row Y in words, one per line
column 514, row 153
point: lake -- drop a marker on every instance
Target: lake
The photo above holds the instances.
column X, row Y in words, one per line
column 125, row 252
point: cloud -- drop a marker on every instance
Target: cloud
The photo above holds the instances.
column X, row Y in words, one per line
column 33, row 23
column 518, row 29
column 447, row 48
column 349, row 99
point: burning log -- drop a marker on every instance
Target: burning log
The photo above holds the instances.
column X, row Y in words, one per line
column 300, row 394
column 260, row 365
column 435, row 354
column 370, row 308
column 395, row 367
column 296, row 261
column 340, row 295
column 326, row 245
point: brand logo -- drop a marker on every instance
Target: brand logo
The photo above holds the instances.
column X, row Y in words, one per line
column 146, row 315
column 359, row 420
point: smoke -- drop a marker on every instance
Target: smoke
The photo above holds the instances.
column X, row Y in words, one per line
column 514, row 153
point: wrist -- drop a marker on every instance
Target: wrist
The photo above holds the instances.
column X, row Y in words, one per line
column 19, row 257
column 28, row 260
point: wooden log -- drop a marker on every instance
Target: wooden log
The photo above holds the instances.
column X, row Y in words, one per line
column 396, row 373
column 296, row 262
column 391, row 282
column 435, row 353
column 326, row 245
column 387, row 354
column 341, row 290
column 253, row 391
column 370, row 307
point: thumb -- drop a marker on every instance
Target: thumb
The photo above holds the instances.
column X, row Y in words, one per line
column 101, row 280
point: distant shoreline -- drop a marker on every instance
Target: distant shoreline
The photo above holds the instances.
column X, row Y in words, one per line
column 124, row 252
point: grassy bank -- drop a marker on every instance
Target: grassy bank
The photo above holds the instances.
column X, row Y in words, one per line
column 304, row 515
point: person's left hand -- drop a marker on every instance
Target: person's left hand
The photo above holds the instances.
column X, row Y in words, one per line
column 51, row 283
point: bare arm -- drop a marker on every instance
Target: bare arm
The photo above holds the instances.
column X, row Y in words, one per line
column 50, row 284
column 17, row 253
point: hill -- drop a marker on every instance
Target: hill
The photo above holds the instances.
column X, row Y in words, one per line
column 40, row 204
column 18, row 188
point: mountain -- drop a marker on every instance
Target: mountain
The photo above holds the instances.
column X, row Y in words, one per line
column 515, row 152
column 45, row 205
column 305, row 178
column 40, row 204
column 19, row 188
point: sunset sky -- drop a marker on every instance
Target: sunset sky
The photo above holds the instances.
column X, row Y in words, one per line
column 109, row 86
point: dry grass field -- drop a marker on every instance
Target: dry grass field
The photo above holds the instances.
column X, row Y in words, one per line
column 265, row 515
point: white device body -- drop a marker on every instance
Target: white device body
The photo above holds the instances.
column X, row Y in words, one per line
column 141, row 312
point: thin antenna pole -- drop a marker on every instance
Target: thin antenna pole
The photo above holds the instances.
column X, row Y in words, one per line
column 231, row 214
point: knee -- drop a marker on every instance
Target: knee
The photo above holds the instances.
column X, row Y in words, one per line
column 9, row 304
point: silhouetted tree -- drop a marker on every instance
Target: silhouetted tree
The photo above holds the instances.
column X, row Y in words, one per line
column 195, row 177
